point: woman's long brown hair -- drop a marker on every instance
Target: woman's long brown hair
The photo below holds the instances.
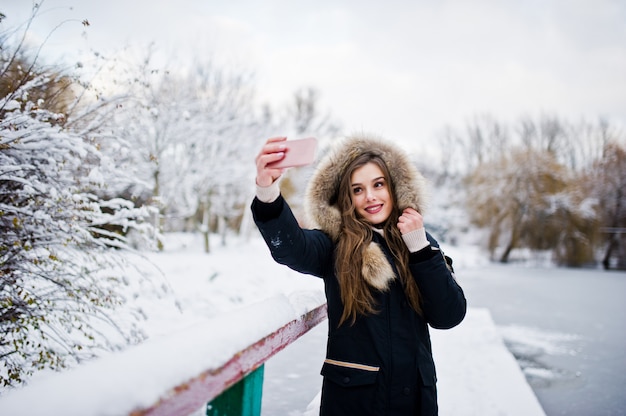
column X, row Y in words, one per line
column 356, row 294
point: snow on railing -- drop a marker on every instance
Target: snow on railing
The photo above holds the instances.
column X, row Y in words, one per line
column 179, row 373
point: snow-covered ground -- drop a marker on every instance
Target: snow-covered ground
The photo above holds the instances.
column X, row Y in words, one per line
column 221, row 302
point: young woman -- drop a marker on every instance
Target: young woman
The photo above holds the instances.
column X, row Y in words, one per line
column 385, row 277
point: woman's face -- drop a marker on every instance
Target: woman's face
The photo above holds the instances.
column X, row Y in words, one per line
column 370, row 194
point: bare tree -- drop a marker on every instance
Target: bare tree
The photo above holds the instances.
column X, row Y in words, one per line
column 487, row 140
column 306, row 116
column 608, row 184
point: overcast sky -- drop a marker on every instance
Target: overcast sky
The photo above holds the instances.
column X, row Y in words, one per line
column 403, row 69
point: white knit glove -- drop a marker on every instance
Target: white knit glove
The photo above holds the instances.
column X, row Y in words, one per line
column 268, row 194
column 416, row 240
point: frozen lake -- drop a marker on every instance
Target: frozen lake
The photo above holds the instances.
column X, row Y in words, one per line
column 565, row 327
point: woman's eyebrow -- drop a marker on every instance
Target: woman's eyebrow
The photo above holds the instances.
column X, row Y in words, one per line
column 373, row 180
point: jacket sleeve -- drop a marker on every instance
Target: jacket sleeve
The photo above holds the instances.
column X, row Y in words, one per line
column 305, row 251
column 443, row 301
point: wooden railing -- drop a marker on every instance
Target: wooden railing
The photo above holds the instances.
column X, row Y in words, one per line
column 178, row 374
column 236, row 388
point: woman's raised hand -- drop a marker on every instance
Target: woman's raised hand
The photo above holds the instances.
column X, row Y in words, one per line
column 272, row 151
column 410, row 220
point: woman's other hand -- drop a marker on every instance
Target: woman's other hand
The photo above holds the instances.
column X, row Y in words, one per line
column 410, row 220
column 272, row 151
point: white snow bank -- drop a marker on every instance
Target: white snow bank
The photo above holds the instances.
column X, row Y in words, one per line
column 477, row 375
column 136, row 378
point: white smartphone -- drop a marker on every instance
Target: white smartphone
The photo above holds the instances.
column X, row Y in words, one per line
column 300, row 152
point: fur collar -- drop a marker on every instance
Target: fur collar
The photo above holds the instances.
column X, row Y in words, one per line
column 323, row 214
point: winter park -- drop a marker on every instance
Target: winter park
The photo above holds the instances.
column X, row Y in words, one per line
column 135, row 281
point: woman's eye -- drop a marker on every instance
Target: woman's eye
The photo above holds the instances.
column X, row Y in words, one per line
column 356, row 190
column 379, row 184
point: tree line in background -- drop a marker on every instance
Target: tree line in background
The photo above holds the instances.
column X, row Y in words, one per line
column 102, row 157
column 543, row 184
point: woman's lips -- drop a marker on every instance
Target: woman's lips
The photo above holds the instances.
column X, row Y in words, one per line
column 374, row 209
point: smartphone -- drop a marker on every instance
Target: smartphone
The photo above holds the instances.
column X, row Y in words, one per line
column 300, row 152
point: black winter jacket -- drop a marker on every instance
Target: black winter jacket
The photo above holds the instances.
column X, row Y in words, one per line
column 382, row 364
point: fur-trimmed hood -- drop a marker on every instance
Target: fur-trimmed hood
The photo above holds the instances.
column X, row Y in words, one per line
column 321, row 194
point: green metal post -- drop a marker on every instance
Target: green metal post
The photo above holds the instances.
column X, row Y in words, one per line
column 242, row 399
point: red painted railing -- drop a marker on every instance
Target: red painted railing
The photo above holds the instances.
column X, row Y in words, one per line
column 186, row 398
column 216, row 365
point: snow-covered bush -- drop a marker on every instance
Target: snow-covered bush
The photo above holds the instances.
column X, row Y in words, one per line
column 63, row 257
